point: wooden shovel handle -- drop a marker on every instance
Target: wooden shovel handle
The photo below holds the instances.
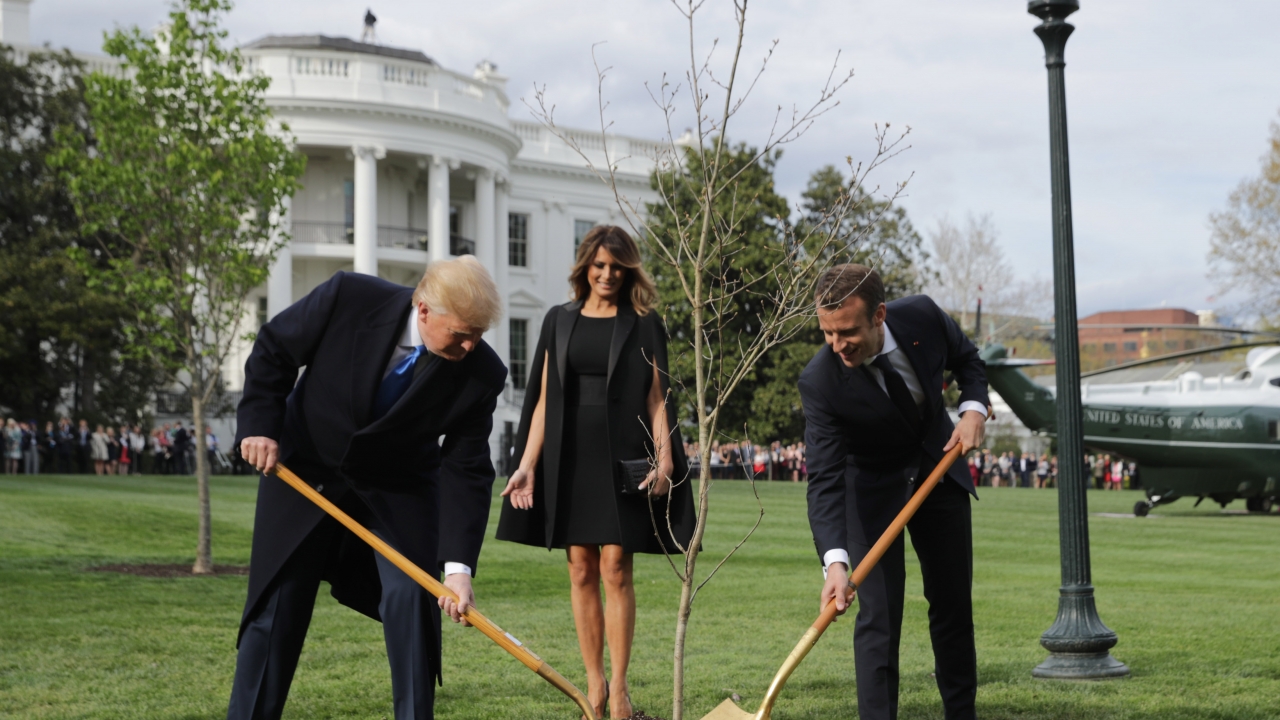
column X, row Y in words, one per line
column 504, row 639
column 859, row 576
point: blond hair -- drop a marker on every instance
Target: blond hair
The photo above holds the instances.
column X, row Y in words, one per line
column 637, row 287
column 460, row 287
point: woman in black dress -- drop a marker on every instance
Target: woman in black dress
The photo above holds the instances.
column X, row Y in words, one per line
column 599, row 393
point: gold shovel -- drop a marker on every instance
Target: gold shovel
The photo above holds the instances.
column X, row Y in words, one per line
column 727, row 710
column 504, row 639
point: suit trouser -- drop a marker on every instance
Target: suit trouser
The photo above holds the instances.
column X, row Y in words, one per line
column 273, row 638
column 941, row 533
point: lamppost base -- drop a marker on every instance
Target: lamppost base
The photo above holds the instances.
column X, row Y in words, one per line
column 1080, row 666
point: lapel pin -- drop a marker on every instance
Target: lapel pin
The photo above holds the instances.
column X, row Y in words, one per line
column 917, row 342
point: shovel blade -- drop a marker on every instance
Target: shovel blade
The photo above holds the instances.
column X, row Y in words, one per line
column 727, row 710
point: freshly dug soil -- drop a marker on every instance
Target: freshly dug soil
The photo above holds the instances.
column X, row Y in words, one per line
column 167, row 571
column 638, row 715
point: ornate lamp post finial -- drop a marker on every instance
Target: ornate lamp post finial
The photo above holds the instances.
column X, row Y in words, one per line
column 1078, row 641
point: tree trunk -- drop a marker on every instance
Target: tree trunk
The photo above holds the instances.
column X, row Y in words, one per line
column 204, row 545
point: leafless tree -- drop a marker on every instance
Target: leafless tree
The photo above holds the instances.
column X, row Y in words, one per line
column 701, row 246
column 1245, row 246
column 971, row 265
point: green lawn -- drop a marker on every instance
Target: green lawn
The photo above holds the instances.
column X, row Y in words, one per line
column 1194, row 595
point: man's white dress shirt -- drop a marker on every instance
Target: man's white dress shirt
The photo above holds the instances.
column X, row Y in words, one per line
column 410, row 339
column 900, row 362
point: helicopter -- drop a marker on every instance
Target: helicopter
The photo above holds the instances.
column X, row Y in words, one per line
column 1192, row 436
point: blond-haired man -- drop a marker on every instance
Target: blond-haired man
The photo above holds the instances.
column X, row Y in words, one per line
column 389, row 370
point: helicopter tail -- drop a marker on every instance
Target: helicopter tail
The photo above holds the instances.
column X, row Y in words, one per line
column 1032, row 403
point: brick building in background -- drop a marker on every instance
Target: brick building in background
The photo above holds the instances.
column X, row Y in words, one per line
column 1120, row 336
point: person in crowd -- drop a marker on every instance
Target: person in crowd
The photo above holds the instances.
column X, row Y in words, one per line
column 717, row 462
column 84, row 446
column 113, row 452
column 211, row 446
column 157, row 451
column 1117, row 474
column 875, row 425
column 365, row 428
column 1006, row 468
column 47, row 446
column 181, row 447
column 137, row 449
column 30, row 448
column 99, row 450
column 12, row 446
column 1042, row 471
column 1096, row 464
column 599, row 395
column 127, row 460
column 974, row 472
column 66, row 445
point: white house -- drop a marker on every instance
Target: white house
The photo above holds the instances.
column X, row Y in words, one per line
column 408, row 163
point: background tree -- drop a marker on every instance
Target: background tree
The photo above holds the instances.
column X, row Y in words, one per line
column 187, row 171
column 742, row 295
column 60, row 340
column 970, row 262
column 1244, row 252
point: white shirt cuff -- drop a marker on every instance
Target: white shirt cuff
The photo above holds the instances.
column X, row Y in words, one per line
column 974, row 405
column 453, row 568
column 839, row 555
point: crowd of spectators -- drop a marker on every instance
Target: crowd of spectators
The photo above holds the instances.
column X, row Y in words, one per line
column 740, row 461
column 64, row 448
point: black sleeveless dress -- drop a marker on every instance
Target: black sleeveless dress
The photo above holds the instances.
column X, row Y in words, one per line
column 585, row 513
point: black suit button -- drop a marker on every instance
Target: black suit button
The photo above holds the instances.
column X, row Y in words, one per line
column 320, row 488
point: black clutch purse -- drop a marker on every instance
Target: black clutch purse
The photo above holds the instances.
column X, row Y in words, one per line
column 628, row 474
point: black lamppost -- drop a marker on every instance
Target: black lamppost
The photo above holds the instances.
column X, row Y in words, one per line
column 1078, row 641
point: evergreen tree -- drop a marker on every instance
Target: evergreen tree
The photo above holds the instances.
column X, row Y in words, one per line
column 60, row 339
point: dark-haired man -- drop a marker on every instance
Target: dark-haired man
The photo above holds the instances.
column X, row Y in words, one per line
column 875, row 424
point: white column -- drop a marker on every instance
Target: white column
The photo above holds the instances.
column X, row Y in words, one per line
column 15, row 22
column 280, row 281
column 438, row 208
column 502, row 341
column 366, row 208
column 485, row 234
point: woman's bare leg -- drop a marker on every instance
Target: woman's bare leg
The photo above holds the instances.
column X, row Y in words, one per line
column 619, row 622
column 588, row 615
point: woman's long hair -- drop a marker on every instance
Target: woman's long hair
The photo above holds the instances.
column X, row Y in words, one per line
column 637, row 286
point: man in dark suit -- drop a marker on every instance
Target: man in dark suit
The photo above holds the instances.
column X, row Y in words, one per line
column 388, row 371
column 875, row 425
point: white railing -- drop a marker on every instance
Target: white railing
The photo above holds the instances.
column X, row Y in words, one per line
column 528, row 131
column 464, row 86
column 406, row 74
column 331, row 67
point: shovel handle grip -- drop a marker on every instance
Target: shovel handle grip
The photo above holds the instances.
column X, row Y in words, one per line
column 504, row 639
column 859, row 576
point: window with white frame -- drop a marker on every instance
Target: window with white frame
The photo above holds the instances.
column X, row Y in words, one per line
column 519, row 360
column 518, row 239
column 580, row 230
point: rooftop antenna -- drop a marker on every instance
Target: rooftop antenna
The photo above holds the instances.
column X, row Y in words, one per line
column 369, row 35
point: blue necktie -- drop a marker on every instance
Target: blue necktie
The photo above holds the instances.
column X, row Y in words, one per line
column 395, row 383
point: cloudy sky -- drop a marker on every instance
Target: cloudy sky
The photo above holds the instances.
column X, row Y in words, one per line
column 1169, row 102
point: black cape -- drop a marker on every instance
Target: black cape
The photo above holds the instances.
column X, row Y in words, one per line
column 637, row 342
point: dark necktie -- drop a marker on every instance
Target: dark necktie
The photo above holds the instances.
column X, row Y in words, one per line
column 898, row 392
column 395, row 383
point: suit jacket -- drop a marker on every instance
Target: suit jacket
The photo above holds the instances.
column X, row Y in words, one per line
column 431, row 499
column 855, row 435
column 637, row 341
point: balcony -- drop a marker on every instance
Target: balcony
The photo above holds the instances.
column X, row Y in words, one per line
column 336, row 233
column 459, row 245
